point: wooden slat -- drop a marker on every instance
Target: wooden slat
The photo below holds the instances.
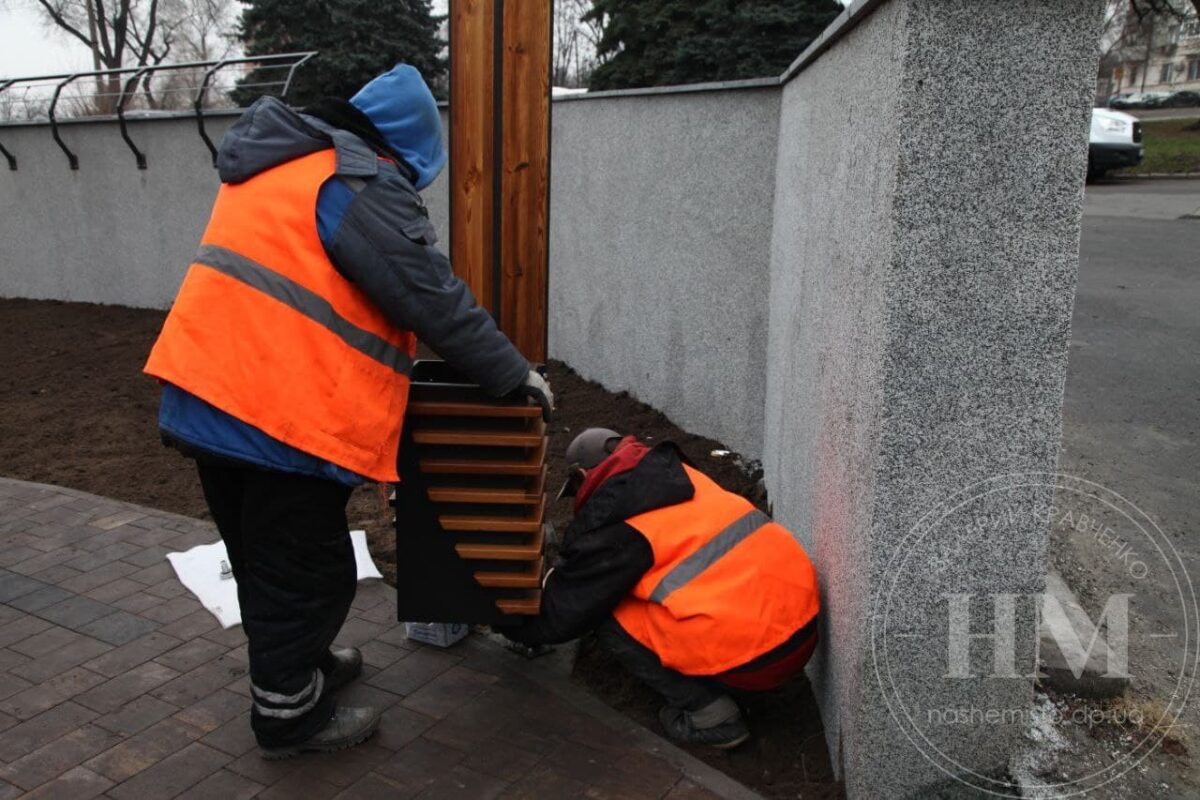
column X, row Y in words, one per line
column 527, row 524
column 525, row 495
column 433, row 408
column 472, row 156
column 470, row 438
column 525, row 171
column 523, row 605
column 529, row 466
column 528, row 579
column 531, row 551
column 476, row 495
column 505, row 497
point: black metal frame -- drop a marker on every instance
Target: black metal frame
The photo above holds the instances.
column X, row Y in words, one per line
column 129, row 84
column 211, row 68
column 12, row 160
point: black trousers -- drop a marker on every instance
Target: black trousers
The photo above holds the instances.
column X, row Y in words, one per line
column 680, row 691
column 290, row 551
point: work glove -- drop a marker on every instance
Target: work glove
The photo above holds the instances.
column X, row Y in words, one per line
column 537, row 388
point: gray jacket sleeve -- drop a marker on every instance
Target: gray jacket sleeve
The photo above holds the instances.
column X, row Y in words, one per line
column 385, row 245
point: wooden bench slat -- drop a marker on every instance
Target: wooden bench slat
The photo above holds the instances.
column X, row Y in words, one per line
column 500, row 552
column 527, row 496
column 528, row 579
column 478, row 438
column 529, row 466
column 435, row 408
column 521, row 605
column 508, row 497
column 531, row 524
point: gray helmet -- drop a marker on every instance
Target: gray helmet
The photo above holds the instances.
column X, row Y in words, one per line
column 586, row 451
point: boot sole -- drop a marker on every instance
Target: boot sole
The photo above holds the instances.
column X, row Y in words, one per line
column 283, row 753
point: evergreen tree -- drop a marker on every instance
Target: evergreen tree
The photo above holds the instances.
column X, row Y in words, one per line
column 356, row 40
column 662, row 42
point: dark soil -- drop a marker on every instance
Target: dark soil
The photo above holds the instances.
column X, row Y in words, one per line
column 76, row 411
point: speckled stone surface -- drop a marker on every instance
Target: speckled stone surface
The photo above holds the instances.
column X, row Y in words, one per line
column 660, row 230
column 924, row 255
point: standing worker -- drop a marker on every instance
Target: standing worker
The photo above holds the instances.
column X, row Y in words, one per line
column 691, row 587
column 286, row 360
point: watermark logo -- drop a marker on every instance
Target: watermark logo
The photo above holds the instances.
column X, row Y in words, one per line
column 1062, row 626
column 988, row 644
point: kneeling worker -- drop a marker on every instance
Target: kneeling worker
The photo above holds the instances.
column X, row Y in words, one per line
column 693, row 589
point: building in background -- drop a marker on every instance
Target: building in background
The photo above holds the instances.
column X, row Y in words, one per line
column 1160, row 53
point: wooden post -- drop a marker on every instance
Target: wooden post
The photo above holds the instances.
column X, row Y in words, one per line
column 500, row 160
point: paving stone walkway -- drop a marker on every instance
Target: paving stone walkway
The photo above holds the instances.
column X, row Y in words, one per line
column 117, row 683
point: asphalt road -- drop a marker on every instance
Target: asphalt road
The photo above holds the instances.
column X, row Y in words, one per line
column 1140, row 198
column 1131, row 422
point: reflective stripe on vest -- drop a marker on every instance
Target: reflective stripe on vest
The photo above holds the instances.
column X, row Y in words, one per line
column 706, row 556
column 266, row 329
column 311, row 305
column 727, row 584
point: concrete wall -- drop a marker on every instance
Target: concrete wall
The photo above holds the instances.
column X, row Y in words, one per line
column 862, row 272
column 923, row 262
column 109, row 232
column 660, row 230
column 660, row 234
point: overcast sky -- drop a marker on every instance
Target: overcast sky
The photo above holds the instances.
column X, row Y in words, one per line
column 28, row 47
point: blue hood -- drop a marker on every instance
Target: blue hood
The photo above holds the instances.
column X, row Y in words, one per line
column 400, row 105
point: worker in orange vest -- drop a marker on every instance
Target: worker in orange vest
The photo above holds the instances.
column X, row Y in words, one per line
column 285, row 365
column 695, row 590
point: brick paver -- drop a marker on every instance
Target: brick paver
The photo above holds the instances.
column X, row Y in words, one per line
column 115, row 682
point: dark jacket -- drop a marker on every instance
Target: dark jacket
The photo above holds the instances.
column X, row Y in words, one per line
column 377, row 233
column 603, row 557
column 385, row 242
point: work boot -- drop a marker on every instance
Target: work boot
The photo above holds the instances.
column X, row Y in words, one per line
column 718, row 724
column 344, row 665
column 346, row 728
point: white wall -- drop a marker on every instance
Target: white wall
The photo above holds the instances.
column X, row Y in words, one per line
column 660, row 231
column 109, row 232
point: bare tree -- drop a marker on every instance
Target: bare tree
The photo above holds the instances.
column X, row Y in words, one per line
column 108, row 31
column 138, row 33
column 575, row 40
column 1175, row 8
column 1138, row 29
column 188, row 30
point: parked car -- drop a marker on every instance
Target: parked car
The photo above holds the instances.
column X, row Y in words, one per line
column 1120, row 100
column 1115, row 142
column 1155, row 99
column 1185, row 98
column 1130, row 100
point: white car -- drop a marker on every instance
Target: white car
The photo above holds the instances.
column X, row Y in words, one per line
column 1115, row 141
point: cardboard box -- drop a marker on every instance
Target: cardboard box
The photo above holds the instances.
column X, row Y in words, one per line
column 439, row 634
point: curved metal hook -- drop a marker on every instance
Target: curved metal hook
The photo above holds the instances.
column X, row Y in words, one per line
column 12, row 160
column 72, row 159
column 129, row 84
column 199, row 107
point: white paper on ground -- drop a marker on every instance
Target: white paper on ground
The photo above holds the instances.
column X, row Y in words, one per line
column 199, row 569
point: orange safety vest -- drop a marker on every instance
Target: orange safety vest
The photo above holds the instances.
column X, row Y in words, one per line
column 727, row 586
column 268, row 331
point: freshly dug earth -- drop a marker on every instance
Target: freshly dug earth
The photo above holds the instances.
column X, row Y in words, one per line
column 76, row 411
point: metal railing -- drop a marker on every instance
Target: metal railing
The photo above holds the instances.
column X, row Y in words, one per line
column 188, row 83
